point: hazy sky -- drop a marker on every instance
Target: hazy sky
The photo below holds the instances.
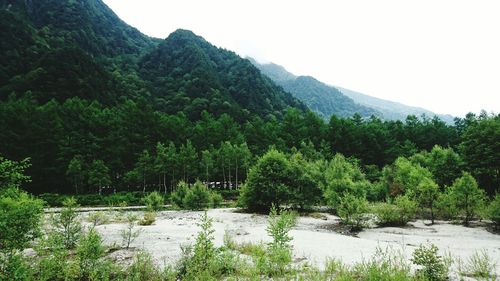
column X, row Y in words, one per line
column 440, row 55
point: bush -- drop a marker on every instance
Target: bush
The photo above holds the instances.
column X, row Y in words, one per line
column 67, row 225
column 267, row 183
column 14, row 267
column 216, row 199
column 197, row 197
column 154, row 201
column 178, row 195
column 129, row 233
column 89, row 252
column 97, row 218
column 398, row 214
column 143, row 268
column 479, row 265
column 493, row 212
column 433, row 266
column 352, row 211
column 20, row 216
column 148, row 219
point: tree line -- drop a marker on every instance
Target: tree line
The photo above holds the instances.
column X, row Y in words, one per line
column 83, row 146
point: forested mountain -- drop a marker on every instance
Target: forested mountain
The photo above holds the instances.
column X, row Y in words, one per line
column 94, row 103
column 324, row 100
column 61, row 49
column 391, row 110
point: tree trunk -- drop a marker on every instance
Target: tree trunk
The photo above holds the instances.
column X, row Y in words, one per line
column 165, row 182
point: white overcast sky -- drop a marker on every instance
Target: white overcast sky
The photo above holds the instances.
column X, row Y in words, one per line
column 443, row 55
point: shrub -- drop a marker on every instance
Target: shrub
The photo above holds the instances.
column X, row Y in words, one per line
column 479, row 265
column 398, row 214
column 89, row 251
column 467, row 196
column 216, row 199
column 279, row 251
column 97, row 218
column 20, row 216
column 493, row 211
column 67, row 225
column 14, row 267
column 178, row 195
column 267, row 183
column 143, row 268
column 352, row 211
column 148, row 219
column 197, row 197
column 154, row 201
column 433, row 267
column 129, row 233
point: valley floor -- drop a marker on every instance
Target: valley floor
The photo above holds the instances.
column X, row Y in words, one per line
column 313, row 239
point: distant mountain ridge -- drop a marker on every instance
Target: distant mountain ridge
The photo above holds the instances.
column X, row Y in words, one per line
column 390, row 109
column 324, row 100
column 327, row 100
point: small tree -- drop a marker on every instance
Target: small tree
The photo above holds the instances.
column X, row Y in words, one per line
column 154, row 201
column 99, row 175
column 352, row 211
column 427, row 193
column 467, row 196
column 433, row 266
column 178, row 195
column 267, row 183
column 75, row 172
column 66, row 223
column 89, row 251
column 197, row 197
column 129, row 233
column 494, row 211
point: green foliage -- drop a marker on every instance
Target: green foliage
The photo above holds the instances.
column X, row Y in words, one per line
column 180, row 192
column 427, row 193
column 267, row 183
column 433, row 267
column 444, row 164
column 204, row 251
column 480, row 148
column 397, row 214
column 403, row 177
column 14, row 267
column 12, row 173
column 198, row 197
column 467, row 196
column 67, row 224
column 130, row 233
column 89, row 252
column 493, row 211
column 216, row 199
column 343, row 176
column 20, row 216
column 352, row 211
column 154, row 201
column 98, row 218
column 148, row 219
column 143, row 268
column 480, row 265
column 98, row 176
column 277, row 179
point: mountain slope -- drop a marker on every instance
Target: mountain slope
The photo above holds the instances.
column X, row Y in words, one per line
column 392, row 110
column 327, row 100
column 58, row 49
column 187, row 71
column 319, row 97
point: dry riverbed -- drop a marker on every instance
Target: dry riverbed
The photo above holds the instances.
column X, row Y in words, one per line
column 313, row 237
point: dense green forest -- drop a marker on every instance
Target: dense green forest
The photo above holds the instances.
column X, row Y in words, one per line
column 84, row 95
